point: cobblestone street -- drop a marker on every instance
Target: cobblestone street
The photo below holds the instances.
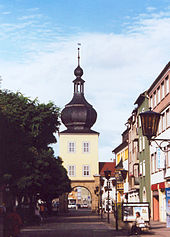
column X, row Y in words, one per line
column 85, row 224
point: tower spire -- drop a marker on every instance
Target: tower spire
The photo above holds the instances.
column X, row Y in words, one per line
column 78, row 72
column 79, row 44
column 78, row 115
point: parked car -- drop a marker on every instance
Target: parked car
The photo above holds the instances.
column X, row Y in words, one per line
column 84, row 205
column 72, row 205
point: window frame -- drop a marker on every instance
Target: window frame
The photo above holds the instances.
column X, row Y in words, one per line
column 167, row 85
column 84, row 170
column 86, row 149
column 144, row 165
column 162, row 90
column 71, row 170
column 71, row 149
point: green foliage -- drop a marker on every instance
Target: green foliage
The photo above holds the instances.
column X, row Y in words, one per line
column 27, row 163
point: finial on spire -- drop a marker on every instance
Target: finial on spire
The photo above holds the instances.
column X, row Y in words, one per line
column 78, row 72
column 79, row 44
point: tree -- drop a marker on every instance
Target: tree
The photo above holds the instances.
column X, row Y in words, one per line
column 27, row 161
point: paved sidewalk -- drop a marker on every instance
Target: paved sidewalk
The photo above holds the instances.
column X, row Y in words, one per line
column 157, row 229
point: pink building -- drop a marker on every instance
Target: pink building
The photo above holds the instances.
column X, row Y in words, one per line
column 159, row 97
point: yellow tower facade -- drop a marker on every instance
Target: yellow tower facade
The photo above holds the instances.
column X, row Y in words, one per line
column 79, row 153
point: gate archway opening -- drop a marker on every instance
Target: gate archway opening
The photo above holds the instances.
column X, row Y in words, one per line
column 79, row 198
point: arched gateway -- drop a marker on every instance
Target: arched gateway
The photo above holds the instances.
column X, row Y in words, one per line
column 78, row 143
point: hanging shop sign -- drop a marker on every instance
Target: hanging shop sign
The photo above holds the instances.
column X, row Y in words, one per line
column 161, row 159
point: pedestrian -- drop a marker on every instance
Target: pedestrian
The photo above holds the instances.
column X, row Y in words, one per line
column 38, row 215
column 136, row 226
column 12, row 223
column 42, row 210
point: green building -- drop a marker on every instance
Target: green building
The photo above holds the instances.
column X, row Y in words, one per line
column 143, row 152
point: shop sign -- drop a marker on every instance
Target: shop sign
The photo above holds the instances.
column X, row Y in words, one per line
column 167, row 207
column 161, row 159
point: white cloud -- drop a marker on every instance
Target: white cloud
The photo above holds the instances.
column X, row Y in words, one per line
column 117, row 68
column 30, row 17
column 6, row 13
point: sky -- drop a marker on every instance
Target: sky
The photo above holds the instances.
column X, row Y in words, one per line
column 125, row 44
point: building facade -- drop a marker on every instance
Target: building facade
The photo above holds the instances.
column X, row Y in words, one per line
column 133, row 159
column 159, row 97
column 103, row 166
column 121, row 154
column 142, row 103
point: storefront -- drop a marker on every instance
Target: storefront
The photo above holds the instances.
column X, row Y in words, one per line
column 158, row 202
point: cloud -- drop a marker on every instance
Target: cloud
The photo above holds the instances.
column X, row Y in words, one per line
column 117, row 68
column 5, row 13
column 36, row 16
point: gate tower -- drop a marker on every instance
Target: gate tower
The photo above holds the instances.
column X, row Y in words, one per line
column 78, row 144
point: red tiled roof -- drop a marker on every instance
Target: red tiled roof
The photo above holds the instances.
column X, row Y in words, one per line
column 107, row 165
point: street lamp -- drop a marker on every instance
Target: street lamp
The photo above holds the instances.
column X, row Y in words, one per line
column 120, row 176
column 96, row 191
column 107, row 174
column 150, row 121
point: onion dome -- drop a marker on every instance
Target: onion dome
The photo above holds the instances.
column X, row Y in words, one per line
column 78, row 72
column 78, row 115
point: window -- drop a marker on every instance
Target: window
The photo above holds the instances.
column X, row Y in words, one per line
column 140, row 168
column 143, row 143
column 139, row 121
column 71, row 147
column 143, row 167
column 71, row 170
column 153, row 163
column 167, row 84
column 151, row 102
column 162, row 90
column 163, row 122
column 159, row 94
column 86, row 170
column 136, row 170
column 168, row 158
column 156, row 162
column 155, row 99
column 167, row 118
column 140, row 144
column 86, row 147
column 160, row 126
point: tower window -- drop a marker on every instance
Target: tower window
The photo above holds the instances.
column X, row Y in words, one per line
column 86, row 170
column 71, row 170
column 86, row 147
column 71, row 147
